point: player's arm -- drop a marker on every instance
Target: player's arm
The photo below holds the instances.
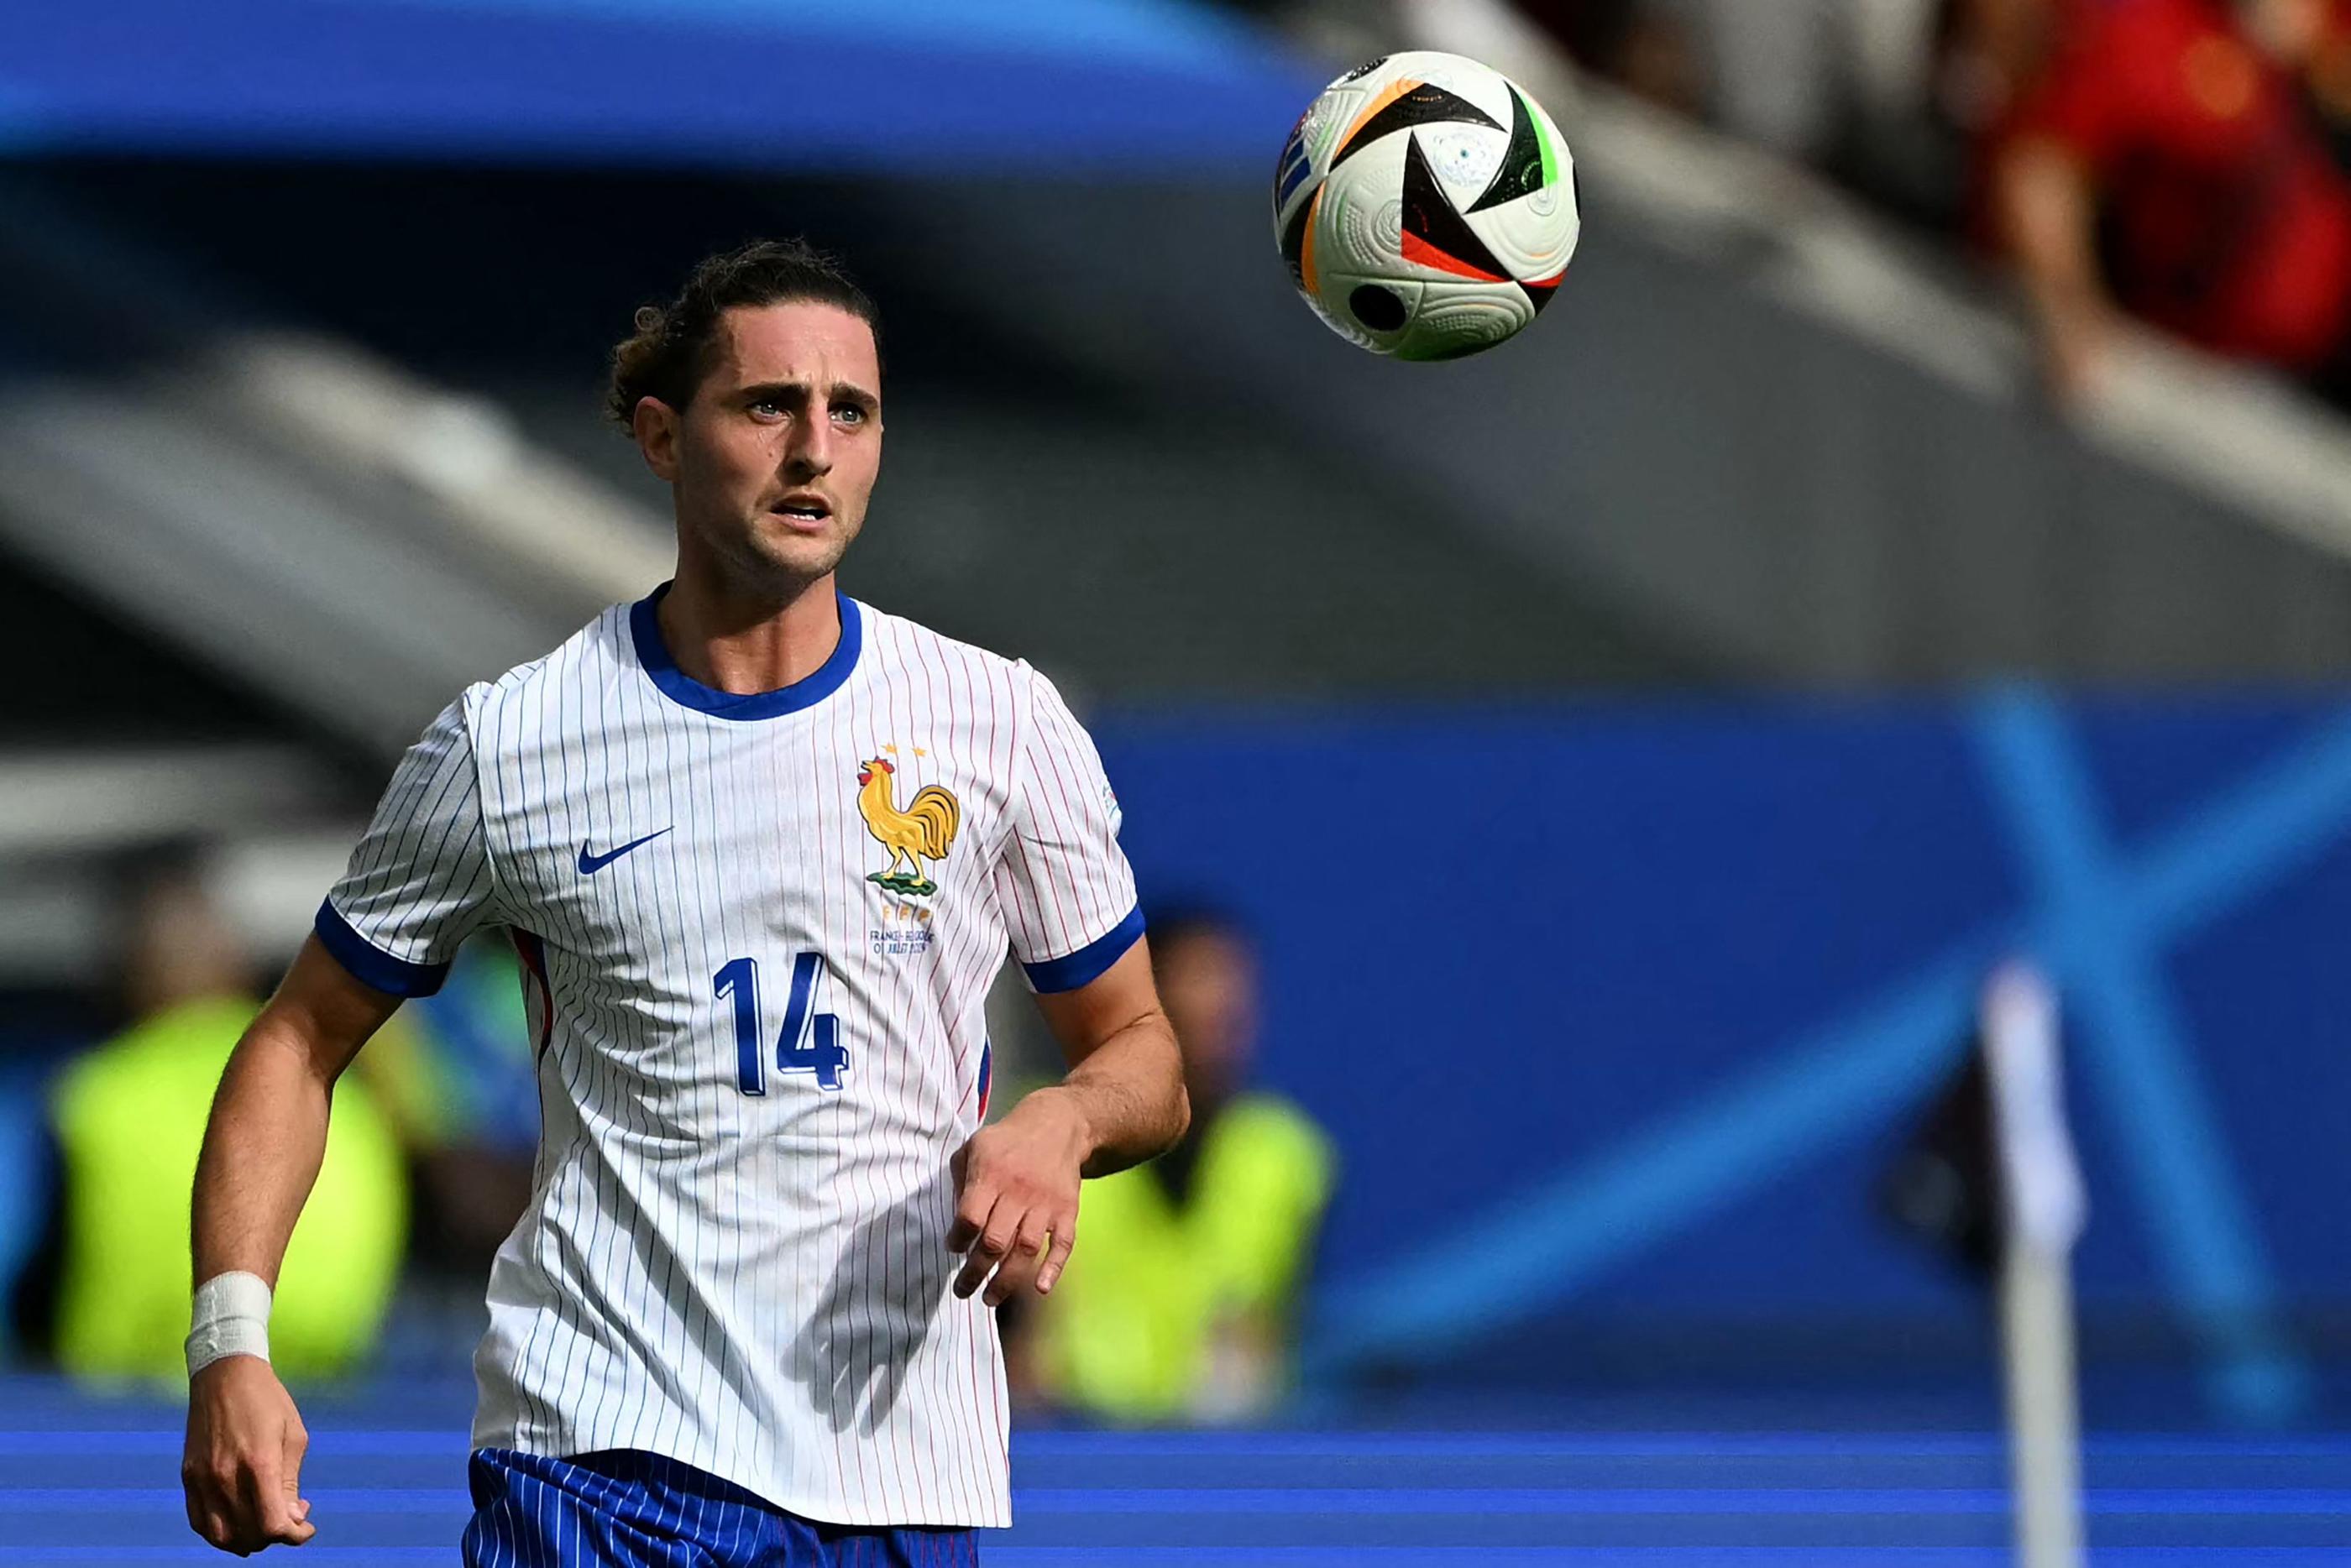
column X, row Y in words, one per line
column 419, row 881
column 2048, row 214
column 262, row 1146
column 1125, row 1083
column 2073, row 121
column 1122, row 1103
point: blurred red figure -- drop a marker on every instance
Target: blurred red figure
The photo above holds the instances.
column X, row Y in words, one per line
column 2167, row 161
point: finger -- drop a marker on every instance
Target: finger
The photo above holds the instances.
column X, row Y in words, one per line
column 1017, row 1274
column 214, row 1501
column 989, row 1247
column 973, row 1273
column 206, row 1521
column 199, row 1510
column 223, row 1533
column 260, row 1504
column 971, row 1218
column 992, row 1249
column 291, row 1519
column 278, row 1521
column 1057, row 1255
column 1010, row 1280
column 1003, row 1230
column 291, row 1532
column 296, row 1445
column 215, row 1524
column 1020, row 1270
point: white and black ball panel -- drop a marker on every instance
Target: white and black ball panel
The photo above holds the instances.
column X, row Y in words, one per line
column 1529, row 242
column 1529, row 216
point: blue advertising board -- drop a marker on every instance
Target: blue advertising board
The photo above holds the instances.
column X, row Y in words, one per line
column 1621, row 1008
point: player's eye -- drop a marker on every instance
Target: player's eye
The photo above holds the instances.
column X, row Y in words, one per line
column 848, row 413
column 768, row 408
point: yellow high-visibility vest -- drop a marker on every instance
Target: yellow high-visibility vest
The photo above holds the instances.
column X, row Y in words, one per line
column 1129, row 1332
column 129, row 1119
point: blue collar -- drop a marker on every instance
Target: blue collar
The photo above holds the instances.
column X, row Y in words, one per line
column 684, row 691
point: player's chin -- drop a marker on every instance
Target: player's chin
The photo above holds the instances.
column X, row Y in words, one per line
column 795, row 551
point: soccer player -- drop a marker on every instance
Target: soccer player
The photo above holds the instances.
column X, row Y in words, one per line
column 762, row 848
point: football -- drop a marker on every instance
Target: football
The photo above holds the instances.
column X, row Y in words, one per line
column 1425, row 206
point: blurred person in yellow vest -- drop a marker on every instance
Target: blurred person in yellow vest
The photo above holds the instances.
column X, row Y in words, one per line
column 129, row 1118
column 1178, row 1305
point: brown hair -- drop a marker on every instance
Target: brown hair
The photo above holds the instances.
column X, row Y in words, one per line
column 668, row 354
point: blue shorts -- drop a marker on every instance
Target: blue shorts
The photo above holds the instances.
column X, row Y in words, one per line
column 627, row 1508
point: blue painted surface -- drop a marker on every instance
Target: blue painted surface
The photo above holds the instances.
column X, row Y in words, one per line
column 1058, row 86
column 1619, row 1009
column 2105, row 945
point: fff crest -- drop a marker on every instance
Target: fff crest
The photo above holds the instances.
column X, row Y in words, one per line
column 924, row 830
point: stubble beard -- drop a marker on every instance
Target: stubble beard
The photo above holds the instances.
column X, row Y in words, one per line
column 758, row 562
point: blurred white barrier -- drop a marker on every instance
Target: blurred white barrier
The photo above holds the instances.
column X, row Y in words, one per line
column 467, row 453
column 53, row 801
column 290, row 508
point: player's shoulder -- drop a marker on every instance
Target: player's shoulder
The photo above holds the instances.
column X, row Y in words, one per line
column 597, row 652
column 901, row 648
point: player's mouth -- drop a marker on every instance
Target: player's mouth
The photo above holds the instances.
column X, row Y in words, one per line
column 803, row 509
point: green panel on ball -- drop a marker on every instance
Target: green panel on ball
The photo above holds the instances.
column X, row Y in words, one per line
column 1526, row 167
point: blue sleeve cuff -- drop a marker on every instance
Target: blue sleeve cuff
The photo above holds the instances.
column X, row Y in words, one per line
column 1085, row 965
column 369, row 965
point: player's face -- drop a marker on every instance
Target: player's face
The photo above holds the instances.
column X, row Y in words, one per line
column 774, row 458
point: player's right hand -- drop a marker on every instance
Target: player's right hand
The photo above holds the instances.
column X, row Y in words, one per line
column 242, row 1466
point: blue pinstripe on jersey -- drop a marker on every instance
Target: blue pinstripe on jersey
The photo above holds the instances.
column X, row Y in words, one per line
column 626, row 1509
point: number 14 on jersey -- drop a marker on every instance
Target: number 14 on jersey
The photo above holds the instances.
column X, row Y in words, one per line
column 807, row 1044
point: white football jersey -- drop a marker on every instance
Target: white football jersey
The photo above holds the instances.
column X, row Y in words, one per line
column 757, row 934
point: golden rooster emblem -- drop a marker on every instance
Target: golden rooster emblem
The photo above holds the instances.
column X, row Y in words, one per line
column 925, row 830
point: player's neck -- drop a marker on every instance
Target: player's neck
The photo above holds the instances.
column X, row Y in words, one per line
column 744, row 644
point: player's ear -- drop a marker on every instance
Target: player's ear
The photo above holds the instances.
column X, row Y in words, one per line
column 657, row 427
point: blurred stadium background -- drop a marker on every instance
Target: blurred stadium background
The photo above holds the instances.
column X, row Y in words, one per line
column 1627, row 751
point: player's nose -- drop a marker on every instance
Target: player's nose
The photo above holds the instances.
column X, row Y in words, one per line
column 809, row 453
column 807, row 463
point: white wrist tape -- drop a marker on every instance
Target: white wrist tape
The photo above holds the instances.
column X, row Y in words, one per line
column 231, row 1318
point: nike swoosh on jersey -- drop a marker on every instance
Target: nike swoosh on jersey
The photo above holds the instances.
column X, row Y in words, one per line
column 592, row 864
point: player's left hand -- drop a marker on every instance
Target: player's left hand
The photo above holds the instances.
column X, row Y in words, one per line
column 1017, row 1197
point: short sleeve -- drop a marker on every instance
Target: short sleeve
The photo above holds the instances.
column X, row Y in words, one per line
column 1066, row 889
column 419, row 883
